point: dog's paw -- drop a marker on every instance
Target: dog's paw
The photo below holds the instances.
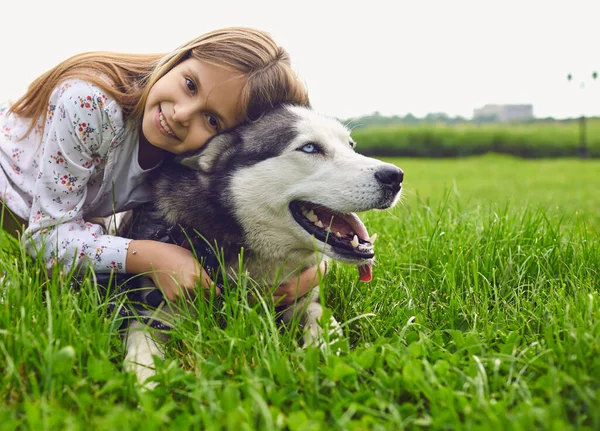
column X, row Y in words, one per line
column 328, row 337
column 143, row 376
column 142, row 351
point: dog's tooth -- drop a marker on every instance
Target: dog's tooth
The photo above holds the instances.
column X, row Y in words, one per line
column 365, row 247
column 312, row 216
column 373, row 238
column 339, row 235
column 354, row 241
column 319, row 224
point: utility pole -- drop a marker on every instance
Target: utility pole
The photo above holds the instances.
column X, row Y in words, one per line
column 583, row 149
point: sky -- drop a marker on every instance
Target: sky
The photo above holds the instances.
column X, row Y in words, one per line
column 356, row 57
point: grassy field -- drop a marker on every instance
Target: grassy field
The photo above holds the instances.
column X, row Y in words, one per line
column 484, row 313
column 530, row 140
column 565, row 188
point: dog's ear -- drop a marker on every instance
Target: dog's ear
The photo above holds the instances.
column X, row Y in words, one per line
column 205, row 158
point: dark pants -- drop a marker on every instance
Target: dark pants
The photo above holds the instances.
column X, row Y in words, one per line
column 11, row 223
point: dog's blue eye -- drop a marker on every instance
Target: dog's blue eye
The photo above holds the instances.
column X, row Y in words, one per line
column 309, row 148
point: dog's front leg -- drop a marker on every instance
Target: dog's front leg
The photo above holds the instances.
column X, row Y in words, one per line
column 141, row 348
column 311, row 312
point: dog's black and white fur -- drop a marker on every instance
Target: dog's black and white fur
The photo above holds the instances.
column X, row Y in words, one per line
column 285, row 188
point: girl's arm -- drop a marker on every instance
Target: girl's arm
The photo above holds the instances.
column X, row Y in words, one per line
column 175, row 270
column 82, row 124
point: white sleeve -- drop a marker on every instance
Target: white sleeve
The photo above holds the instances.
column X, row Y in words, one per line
column 75, row 143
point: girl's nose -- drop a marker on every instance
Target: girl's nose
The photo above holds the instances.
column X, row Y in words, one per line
column 182, row 113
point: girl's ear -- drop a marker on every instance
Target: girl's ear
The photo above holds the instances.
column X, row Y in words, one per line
column 205, row 159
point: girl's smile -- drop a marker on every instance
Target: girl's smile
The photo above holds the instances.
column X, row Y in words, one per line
column 163, row 124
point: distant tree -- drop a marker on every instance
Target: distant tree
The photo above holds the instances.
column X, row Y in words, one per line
column 377, row 119
column 437, row 117
column 410, row 118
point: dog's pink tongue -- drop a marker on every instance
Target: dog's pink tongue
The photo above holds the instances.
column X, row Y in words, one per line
column 365, row 272
column 356, row 225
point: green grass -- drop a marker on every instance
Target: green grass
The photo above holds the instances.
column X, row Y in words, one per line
column 483, row 314
column 560, row 187
column 539, row 139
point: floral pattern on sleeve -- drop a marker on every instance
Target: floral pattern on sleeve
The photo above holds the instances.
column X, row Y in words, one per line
column 74, row 148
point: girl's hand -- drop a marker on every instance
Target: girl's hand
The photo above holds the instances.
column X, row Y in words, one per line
column 296, row 288
column 172, row 268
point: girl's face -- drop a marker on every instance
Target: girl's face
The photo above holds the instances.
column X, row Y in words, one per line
column 190, row 104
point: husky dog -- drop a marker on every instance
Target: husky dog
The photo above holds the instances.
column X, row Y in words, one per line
column 286, row 189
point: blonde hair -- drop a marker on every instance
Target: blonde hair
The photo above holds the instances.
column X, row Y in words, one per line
column 270, row 79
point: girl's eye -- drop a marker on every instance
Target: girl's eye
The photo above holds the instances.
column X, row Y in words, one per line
column 190, row 85
column 212, row 120
column 310, row 148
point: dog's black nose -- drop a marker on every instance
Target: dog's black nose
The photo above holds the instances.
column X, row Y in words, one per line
column 390, row 177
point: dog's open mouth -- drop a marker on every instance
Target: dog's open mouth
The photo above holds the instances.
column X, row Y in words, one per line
column 345, row 233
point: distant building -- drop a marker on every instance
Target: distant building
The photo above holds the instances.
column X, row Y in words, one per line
column 504, row 113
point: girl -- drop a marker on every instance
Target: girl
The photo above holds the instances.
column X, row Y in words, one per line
column 87, row 134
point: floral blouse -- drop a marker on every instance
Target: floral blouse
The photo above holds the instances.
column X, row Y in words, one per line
column 57, row 179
